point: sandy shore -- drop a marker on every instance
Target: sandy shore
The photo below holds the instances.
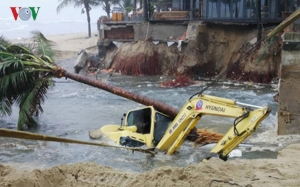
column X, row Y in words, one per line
column 68, row 45
column 283, row 171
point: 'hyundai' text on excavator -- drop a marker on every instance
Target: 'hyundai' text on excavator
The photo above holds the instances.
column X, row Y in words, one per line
column 148, row 127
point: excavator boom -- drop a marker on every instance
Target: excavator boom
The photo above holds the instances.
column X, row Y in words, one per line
column 247, row 119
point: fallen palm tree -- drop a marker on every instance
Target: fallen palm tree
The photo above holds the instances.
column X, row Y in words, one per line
column 26, row 73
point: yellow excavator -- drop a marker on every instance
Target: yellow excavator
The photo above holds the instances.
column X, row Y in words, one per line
column 148, row 127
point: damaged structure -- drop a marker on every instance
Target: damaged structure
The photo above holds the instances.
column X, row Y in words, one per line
column 175, row 37
column 189, row 29
column 189, row 37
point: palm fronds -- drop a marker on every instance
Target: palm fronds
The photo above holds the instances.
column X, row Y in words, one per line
column 5, row 107
column 94, row 2
column 76, row 3
column 25, row 77
column 3, row 43
column 32, row 100
column 42, row 46
column 65, row 3
column 127, row 5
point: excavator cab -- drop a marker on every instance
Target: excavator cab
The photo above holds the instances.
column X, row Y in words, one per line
column 144, row 126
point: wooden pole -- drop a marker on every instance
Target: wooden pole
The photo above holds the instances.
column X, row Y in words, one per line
column 289, row 20
column 34, row 136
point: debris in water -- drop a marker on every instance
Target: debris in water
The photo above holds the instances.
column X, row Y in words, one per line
column 180, row 81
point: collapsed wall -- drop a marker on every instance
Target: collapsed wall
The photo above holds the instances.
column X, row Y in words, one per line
column 202, row 51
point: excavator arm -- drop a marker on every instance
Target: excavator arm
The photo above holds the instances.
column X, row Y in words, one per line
column 247, row 119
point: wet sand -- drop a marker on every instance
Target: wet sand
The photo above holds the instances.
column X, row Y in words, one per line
column 283, row 171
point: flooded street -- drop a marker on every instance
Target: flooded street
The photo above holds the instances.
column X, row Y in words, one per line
column 72, row 109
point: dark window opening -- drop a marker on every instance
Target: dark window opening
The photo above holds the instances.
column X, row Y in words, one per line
column 187, row 5
column 161, row 125
column 141, row 119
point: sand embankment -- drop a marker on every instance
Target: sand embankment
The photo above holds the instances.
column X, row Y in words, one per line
column 283, row 171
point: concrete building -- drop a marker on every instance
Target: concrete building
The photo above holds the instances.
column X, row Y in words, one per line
column 181, row 21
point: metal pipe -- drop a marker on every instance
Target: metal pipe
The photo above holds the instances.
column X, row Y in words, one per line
column 245, row 104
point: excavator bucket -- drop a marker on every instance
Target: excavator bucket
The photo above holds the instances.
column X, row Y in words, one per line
column 241, row 129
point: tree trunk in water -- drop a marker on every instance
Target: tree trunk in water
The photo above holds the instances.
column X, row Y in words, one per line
column 162, row 107
column 87, row 8
column 159, row 106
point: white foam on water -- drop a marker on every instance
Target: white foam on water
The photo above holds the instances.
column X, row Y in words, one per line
column 70, row 95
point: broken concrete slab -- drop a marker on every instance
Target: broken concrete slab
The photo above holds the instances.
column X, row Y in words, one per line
column 289, row 97
column 80, row 61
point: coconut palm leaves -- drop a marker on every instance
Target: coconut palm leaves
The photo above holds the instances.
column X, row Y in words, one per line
column 42, row 46
column 76, row 3
column 127, row 5
column 107, row 5
column 25, row 78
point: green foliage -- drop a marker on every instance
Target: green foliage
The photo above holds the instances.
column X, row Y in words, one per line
column 107, row 4
column 152, row 8
column 128, row 9
column 76, row 3
column 25, row 77
column 44, row 46
column 127, row 5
